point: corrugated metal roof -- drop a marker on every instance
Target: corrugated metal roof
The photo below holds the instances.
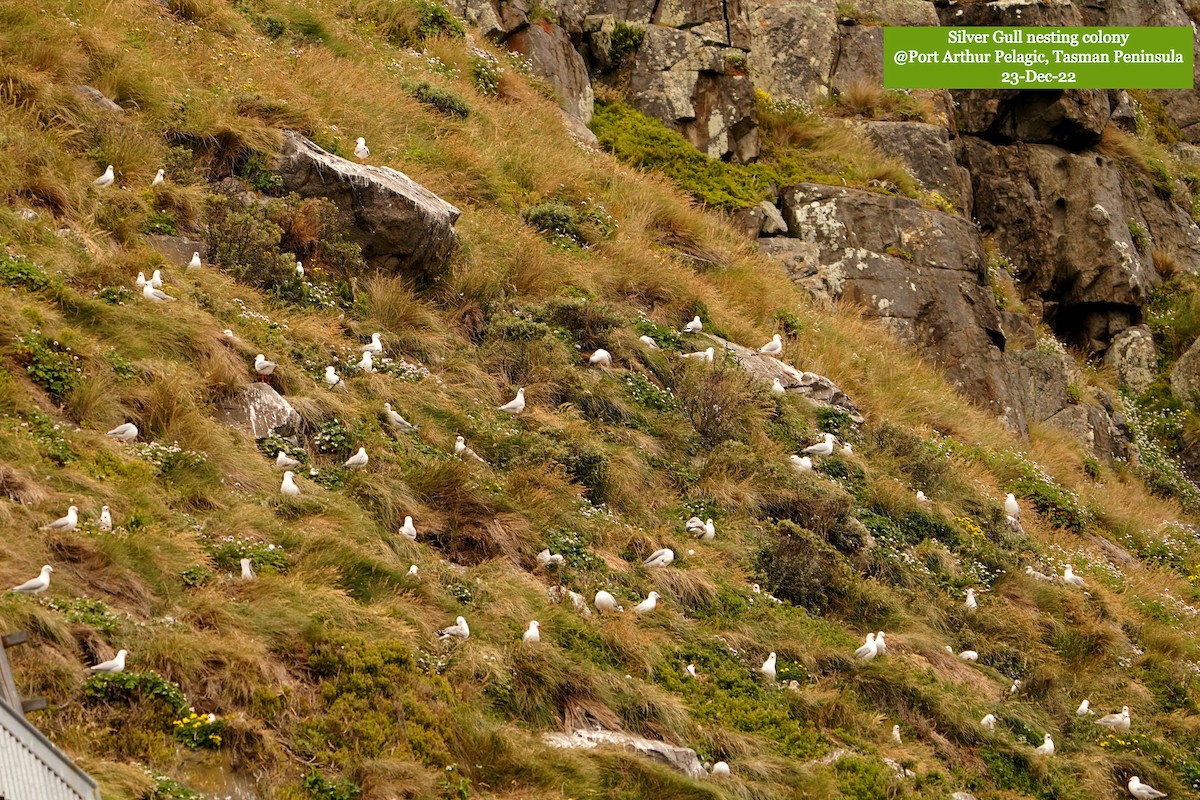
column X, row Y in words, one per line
column 32, row 768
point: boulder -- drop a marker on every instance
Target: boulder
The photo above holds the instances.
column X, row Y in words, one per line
column 554, row 58
column 681, row 759
column 398, row 222
column 482, row 14
column 859, row 58
column 1185, row 375
column 1063, row 219
column 918, row 271
column 817, row 389
column 259, row 411
column 97, row 99
column 773, row 223
column 1044, row 376
column 1133, row 357
column 1094, row 428
column 693, row 87
column 793, row 46
column 927, row 151
column 897, row 12
column 802, row 261
column 1074, row 119
column 719, row 22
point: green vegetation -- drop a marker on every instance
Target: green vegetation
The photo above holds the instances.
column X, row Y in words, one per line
column 444, row 100
column 626, row 39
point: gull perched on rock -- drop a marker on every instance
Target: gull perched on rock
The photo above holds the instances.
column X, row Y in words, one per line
column 333, row 380
column 374, row 346
column 105, row 519
column 647, row 605
column 462, row 451
column 1084, row 709
column 125, row 432
column 823, row 448
column 1070, row 577
column 660, row 558
column 367, row 362
column 1046, row 748
column 264, row 367
column 156, row 295
column 880, row 644
column 548, row 559
column 156, row 279
column 284, row 461
column 720, row 770
column 247, row 570
column 159, row 177
column 397, row 421
column 970, row 604
column 705, row 355
column 533, row 633
column 896, row 735
column 459, row 630
column 772, row 347
column 768, row 668
column 36, row 585
column 66, row 523
column 868, row 651
column 195, row 263
column 408, row 530
column 649, row 342
column 289, row 487
column 600, row 358
column 1143, row 791
column 606, row 604
column 1011, row 506
column 112, row 666
column 695, row 326
column 358, row 460
column 516, row 405
column 1116, row 722
column 801, row 463
column 777, row 387
column 107, row 179
column 361, row 151
column 989, row 722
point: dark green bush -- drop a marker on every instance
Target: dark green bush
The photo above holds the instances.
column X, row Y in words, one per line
column 625, row 39
column 159, row 697
column 49, row 363
column 20, row 273
column 243, row 242
column 801, row 568
column 444, row 100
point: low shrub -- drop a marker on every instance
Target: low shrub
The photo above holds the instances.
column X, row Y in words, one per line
column 444, row 100
column 49, row 363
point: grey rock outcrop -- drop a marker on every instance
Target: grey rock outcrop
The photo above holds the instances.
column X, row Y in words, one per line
column 98, row 99
column 920, row 272
column 553, row 57
column 259, row 411
column 1094, row 428
column 1185, row 375
column 681, row 759
column 1044, row 377
column 1134, row 358
column 927, row 151
column 793, row 48
column 399, row 224
column 817, row 389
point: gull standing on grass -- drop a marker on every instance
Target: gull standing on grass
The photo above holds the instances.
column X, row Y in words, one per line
column 533, row 633
column 300, row 270
column 289, row 488
column 772, row 347
column 1084, row 709
column 705, row 531
column 1041, row 576
column 868, row 651
column 408, row 530
column 1011, row 506
column 284, row 461
column 801, row 463
column 1046, row 748
column 647, row 605
column 823, row 448
column 36, row 585
column 141, row 280
column 777, row 387
column 768, row 668
column 264, row 367
column 366, row 363
column 847, row 449
column 660, row 558
column 649, row 342
column 374, row 346
column 112, row 666
column 1070, row 577
column 358, row 460
column 66, row 523
column 156, row 295
column 459, row 630
column 158, row 179
column 690, row 669
column 195, row 263
column 720, row 770
column 921, row 498
column 989, row 722
column 547, row 559
column 125, row 432
column 413, row 572
column 705, row 355
column 601, row 358
column 516, row 405
column 606, row 604
column 1116, row 722
column 1143, row 791
column 397, row 421
column 880, row 645
column 247, row 570
column 105, row 519
column 107, row 179
column 156, row 279
column 333, row 380
column 970, row 604
column 695, row 326
column 462, row 451
column 896, row 735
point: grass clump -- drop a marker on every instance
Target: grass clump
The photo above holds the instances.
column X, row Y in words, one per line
column 444, row 100
column 21, row 273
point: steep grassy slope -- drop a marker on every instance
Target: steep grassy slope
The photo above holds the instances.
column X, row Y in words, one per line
column 325, row 674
